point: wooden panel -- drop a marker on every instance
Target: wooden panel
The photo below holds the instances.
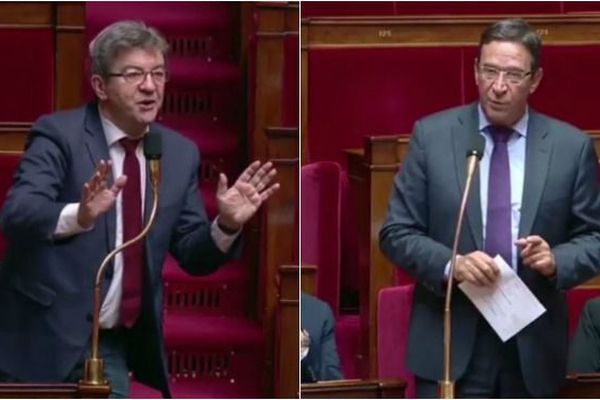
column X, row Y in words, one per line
column 275, row 23
column 13, row 136
column 50, row 390
column 349, row 389
column 70, row 55
column 28, row 14
column 287, row 362
column 278, row 234
column 439, row 31
column 69, row 15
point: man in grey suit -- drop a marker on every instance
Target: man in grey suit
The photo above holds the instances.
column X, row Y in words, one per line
column 535, row 202
column 81, row 186
column 322, row 362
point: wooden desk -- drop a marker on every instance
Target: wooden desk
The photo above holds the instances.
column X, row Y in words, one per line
column 354, row 389
column 581, row 386
column 52, row 391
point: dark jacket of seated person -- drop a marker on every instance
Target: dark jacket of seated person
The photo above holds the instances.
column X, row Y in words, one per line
column 584, row 354
column 321, row 363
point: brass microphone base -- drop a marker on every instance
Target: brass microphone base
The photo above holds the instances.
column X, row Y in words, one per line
column 446, row 389
column 93, row 373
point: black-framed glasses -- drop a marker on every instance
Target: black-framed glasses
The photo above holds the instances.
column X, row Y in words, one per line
column 135, row 76
column 512, row 76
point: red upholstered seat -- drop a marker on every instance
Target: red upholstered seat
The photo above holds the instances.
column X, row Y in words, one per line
column 394, row 307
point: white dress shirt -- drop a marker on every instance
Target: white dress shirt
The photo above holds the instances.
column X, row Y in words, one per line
column 67, row 223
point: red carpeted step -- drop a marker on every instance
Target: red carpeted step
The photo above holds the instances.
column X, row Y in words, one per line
column 191, row 73
column 214, row 356
column 224, row 292
column 213, row 136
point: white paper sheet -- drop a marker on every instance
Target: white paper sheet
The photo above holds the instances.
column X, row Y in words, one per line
column 508, row 305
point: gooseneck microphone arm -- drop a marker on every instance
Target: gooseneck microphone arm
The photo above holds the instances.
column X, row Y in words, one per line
column 446, row 386
column 94, row 367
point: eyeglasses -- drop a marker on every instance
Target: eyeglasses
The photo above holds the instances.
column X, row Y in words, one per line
column 514, row 77
column 135, row 76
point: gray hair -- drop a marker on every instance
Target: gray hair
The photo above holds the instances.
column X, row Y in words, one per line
column 515, row 31
column 123, row 35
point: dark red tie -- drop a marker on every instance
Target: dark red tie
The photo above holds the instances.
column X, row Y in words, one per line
column 498, row 226
column 131, row 210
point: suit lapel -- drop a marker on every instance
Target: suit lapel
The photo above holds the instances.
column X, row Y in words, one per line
column 537, row 157
column 461, row 133
column 149, row 195
column 97, row 149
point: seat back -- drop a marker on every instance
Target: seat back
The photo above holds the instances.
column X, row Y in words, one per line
column 320, row 219
column 9, row 161
column 394, row 306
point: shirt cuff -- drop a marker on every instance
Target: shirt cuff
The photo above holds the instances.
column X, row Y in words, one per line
column 447, row 268
column 222, row 240
column 67, row 224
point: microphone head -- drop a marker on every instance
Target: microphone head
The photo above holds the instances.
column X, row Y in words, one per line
column 152, row 146
column 476, row 146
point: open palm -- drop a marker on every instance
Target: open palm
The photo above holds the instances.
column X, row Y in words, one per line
column 238, row 203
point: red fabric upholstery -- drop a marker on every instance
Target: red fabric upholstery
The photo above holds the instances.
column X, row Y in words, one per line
column 8, row 165
column 320, row 236
column 393, row 318
column 576, row 299
column 376, row 92
column 349, row 240
column 347, row 338
column 28, row 74
column 381, row 8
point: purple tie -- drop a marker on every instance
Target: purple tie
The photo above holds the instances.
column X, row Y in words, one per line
column 498, row 239
column 132, row 225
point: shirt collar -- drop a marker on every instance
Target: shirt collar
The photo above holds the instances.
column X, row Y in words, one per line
column 112, row 132
column 520, row 127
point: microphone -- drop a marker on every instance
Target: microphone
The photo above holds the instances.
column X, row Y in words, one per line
column 474, row 154
column 93, row 375
column 153, row 153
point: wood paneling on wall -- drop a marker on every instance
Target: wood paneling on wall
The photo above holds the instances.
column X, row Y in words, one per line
column 48, row 76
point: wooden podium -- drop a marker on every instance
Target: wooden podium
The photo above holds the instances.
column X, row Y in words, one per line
column 581, row 386
column 52, row 391
column 354, row 389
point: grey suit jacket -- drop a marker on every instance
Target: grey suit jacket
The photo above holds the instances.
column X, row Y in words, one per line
column 560, row 203
column 322, row 361
column 46, row 284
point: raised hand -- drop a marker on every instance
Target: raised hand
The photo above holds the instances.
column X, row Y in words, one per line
column 96, row 197
column 240, row 202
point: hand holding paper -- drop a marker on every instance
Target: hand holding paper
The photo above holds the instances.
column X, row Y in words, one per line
column 508, row 305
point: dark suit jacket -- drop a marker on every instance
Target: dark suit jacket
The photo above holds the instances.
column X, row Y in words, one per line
column 560, row 203
column 322, row 362
column 46, row 284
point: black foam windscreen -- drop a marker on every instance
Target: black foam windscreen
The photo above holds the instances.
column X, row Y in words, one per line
column 476, row 146
column 152, row 146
